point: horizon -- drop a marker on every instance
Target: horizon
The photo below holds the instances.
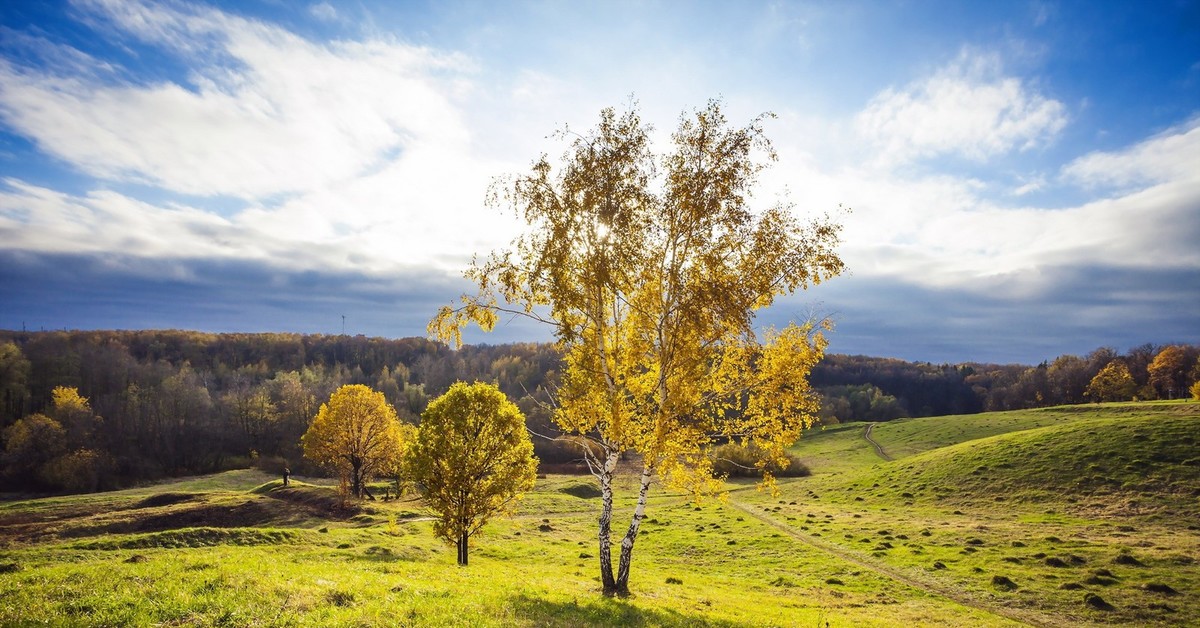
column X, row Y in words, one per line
column 1024, row 177
column 490, row 342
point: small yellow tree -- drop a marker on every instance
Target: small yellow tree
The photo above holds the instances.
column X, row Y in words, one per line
column 472, row 460
column 1168, row 372
column 1112, row 383
column 74, row 414
column 30, row 443
column 356, row 434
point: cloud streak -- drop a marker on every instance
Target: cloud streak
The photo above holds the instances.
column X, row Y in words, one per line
column 967, row 109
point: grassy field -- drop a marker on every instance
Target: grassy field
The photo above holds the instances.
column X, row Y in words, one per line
column 1057, row 517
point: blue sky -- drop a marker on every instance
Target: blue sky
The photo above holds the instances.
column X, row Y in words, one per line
column 1024, row 176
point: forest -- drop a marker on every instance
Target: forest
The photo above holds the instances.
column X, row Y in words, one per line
column 95, row 410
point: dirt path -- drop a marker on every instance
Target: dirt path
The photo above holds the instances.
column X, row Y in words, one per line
column 940, row 590
column 878, row 448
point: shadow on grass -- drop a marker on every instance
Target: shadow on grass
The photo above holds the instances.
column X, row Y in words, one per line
column 603, row 611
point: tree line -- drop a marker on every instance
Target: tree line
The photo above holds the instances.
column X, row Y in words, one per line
column 169, row 403
column 861, row 388
column 165, row 403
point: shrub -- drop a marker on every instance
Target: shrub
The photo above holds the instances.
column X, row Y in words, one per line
column 273, row 465
column 81, row 471
column 340, row 598
column 737, row 460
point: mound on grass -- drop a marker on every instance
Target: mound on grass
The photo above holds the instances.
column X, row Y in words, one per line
column 165, row 499
column 1138, row 459
column 581, row 489
column 196, row 537
column 134, row 512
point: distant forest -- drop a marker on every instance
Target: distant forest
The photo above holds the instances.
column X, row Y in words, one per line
column 152, row 404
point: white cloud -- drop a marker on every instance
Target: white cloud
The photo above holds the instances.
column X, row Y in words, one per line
column 323, row 11
column 1029, row 186
column 103, row 222
column 374, row 156
column 942, row 231
column 967, row 109
column 946, row 232
column 322, row 232
column 280, row 115
column 1169, row 156
column 353, row 155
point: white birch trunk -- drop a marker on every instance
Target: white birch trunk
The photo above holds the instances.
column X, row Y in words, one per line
column 639, row 513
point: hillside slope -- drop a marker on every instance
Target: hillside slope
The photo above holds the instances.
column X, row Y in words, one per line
column 1091, row 518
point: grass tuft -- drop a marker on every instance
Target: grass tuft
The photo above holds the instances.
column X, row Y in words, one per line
column 341, row 598
column 1003, row 583
column 1097, row 602
column 1158, row 587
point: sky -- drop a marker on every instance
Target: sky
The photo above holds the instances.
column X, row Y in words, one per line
column 1024, row 176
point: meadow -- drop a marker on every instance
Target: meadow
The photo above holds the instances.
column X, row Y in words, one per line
column 1077, row 515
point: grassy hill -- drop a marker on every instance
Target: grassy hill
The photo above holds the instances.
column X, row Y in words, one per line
column 1058, row 517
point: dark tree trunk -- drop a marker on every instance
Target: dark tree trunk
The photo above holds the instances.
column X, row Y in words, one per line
column 356, row 480
column 462, row 549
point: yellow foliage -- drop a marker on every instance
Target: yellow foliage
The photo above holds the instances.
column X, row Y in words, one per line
column 32, row 441
column 1168, row 371
column 1112, row 383
column 68, row 400
column 78, row 471
column 472, row 459
column 652, row 268
column 357, row 435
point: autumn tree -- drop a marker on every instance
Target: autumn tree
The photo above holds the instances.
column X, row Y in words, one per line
column 29, row 444
column 1112, row 383
column 650, row 269
column 253, row 411
column 74, row 413
column 356, row 434
column 1168, row 371
column 82, row 470
column 472, row 460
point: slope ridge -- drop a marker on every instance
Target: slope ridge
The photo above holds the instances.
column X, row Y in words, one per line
column 1141, row 463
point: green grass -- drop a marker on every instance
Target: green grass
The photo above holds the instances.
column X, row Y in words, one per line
column 998, row 520
column 835, row 449
column 687, row 574
column 1033, row 519
column 906, row 437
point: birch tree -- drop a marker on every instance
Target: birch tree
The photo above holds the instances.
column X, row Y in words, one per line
column 650, row 269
